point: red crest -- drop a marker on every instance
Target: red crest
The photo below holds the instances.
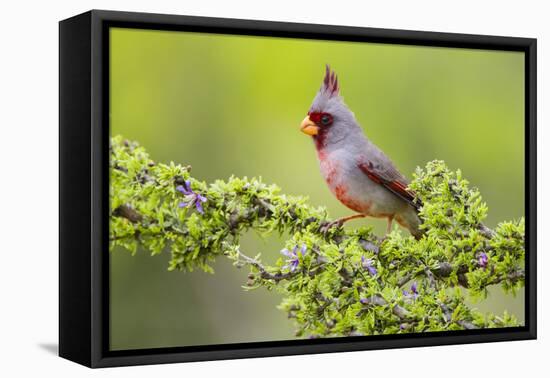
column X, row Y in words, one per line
column 330, row 83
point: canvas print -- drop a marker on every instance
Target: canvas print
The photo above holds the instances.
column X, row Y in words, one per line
column 268, row 189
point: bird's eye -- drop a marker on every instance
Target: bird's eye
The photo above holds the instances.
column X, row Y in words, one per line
column 326, row 119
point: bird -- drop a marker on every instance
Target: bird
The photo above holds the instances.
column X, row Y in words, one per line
column 357, row 172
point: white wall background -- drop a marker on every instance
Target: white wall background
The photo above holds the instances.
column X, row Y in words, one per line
column 29, row 175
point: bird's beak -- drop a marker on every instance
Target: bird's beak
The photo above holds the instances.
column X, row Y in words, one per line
column 309, row 127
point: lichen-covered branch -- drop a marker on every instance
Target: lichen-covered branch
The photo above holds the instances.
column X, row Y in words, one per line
column 336, row 282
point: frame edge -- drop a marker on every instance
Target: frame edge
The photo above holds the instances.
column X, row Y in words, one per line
column 75, row 306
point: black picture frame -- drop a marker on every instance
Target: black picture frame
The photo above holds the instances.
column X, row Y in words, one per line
column 83, row 180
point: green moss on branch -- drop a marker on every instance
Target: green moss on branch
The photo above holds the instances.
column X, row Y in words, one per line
column 335, row 283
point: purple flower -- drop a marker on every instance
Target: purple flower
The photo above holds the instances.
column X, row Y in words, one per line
column 367, row 265
column 185, row 188
column 293, row 260
column 191, row 197
column 364, row 301
column 483, row 260
column 413, row 293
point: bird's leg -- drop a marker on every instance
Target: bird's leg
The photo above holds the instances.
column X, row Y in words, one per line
column 388, row 229
column 339, row 222
column 343, row 220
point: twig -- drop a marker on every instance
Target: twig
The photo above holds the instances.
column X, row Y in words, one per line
column 128, row 212
column 397, row 310
column 486, row 231
column 449, row 317
column 406, row 278
column 279, row 276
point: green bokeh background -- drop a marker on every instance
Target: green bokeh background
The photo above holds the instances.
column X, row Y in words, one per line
column 231, row 105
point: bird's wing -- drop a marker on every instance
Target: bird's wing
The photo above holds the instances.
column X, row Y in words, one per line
column 381, row 170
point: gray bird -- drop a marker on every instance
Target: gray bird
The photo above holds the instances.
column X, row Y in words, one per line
column 357, row 172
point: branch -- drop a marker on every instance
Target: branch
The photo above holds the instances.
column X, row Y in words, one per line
column 337, row 281
column 264, row 274
column 486, row 231
column 449, row 318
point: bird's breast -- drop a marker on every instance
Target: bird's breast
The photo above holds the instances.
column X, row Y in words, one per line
column 353, row 188
column 338, row 175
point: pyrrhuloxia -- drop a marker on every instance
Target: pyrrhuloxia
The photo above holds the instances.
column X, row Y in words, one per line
column 357, row 172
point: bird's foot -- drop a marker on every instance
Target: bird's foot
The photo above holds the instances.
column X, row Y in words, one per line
column 327, row 226
column 338, row 223
column 383, row 239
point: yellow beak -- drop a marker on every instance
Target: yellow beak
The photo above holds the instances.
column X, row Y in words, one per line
column 309, row 127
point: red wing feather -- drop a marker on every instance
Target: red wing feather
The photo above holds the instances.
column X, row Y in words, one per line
column 392, row 180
